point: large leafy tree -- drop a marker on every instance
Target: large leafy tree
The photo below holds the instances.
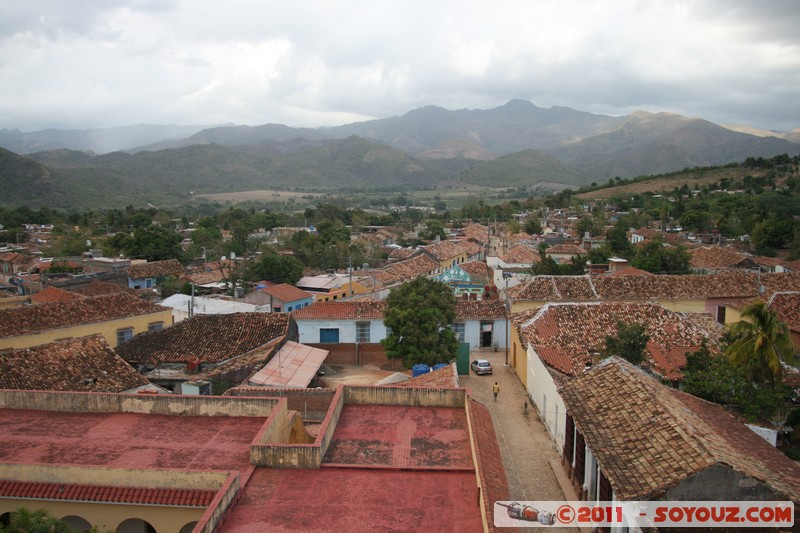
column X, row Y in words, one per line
column 630, row 342
column 277, row 268
column 716, row 379
column 654, row 257
column 419, row 315
column 153, row 243
column 762, row 342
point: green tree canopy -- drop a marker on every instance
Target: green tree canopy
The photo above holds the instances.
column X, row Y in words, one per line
column 153, row 243
column 630, row 342
column 716, row 379
column 654, row 257
column 419, row 315
column 762, row 342
column 276, row 268
column 532, row 225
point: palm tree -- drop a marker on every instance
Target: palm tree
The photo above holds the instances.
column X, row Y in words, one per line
column 762, row 342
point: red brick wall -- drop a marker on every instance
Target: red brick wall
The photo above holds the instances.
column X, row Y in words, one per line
column 355, row 354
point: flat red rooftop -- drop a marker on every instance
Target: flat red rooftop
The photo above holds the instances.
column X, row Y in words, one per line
column 347, row 499
column 401, row 437
column 127, row 440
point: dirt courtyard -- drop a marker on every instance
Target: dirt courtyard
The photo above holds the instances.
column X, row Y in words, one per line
column 336, row 375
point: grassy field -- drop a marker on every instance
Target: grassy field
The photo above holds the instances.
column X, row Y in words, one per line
column 690, row 178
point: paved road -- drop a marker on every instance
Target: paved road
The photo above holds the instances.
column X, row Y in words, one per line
column 531, row 460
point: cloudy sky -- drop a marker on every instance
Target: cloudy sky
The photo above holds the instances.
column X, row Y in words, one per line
column 102, row 63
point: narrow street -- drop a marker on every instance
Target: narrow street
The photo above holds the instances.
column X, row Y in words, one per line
column 530, row 457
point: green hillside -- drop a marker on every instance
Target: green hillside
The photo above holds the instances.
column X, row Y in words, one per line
column 521, row 169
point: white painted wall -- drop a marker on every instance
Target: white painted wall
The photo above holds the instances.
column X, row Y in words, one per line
column 472, row 333
column 542, row 390
column 309, row 330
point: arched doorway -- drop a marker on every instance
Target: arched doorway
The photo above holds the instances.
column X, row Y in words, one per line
column 135, row 525
column 77, row 523
column 5, row 519
column 188, row 527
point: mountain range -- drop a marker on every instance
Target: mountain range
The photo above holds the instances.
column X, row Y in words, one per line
column 514, row 145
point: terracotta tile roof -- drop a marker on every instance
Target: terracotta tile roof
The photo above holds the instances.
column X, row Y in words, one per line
column 520, row 237
column 691, row 287
column 521, row 254
column 488, row 460
column 352, row 309
column 156, row 269
column 787, row 307
column 38, row 318
column 446, row 250
column 15, row 258
column 477, row 232
column 773, row 282
column 719, row 257
column 209, row 338
column 472, row 247
column 480, row 310
column 475, row 268
column 53, row 294
column 555, row 289
column 105, row 494
column 99, row 288
column 566, row 335
column 68, row 365
column 647, row 437
column 565, row 249
column 444, row 378
column 405, row 270
column 286, row 293
column 401, row 253
column 629, row 271
column 772, row 262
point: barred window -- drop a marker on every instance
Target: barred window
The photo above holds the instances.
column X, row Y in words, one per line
column 362, row 331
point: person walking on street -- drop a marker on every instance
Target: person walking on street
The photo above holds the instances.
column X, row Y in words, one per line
column 495, row 390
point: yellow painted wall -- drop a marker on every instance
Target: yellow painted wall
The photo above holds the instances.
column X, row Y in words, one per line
column 517, row 357
column 524, row 305
column 684, row 306
column 107, row 329
column 107, row 517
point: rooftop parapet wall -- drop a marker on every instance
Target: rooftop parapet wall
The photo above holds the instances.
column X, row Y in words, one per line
column 423, row 397
column 268, row 451
column 116, row 477
column 91, row 402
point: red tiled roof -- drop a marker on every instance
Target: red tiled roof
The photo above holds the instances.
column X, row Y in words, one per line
column 480, row 309
column 209, row 338
column 286, row 292
column 444, row 378
column 38, row 318
column 565, row 249
column 106, row 494
column 647, row 437
column 53, row 294
column 566, row 335
column 629, row 271
column 156, row 269
column 446, row 250
column 362, row 309
column 521, row 254
column 405, row 270
column 489, row 460
column 718, row 257
column 83, row 364
column 555, row 289
column 475, row 268
column 787, row 307
column 100, row 288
